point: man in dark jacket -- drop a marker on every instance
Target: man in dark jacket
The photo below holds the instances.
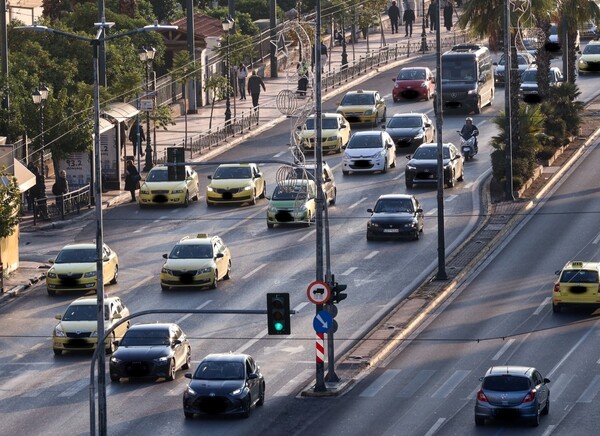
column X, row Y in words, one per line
column 60, row 188
column 408, row 18
column 394, row 14
column 254, row 85
column 433, row 14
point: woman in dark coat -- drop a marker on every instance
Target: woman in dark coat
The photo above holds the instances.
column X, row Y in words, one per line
column 448, row 11
column 132, row 177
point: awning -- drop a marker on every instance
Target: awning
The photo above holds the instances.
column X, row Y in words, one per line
column 120, row 112
column 105, row 125
column 25, row 178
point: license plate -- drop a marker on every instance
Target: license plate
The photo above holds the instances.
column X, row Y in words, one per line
column 391, row 230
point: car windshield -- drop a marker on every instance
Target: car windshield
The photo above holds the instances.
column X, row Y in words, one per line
column 430, row 153
column 358, row 100
column 458, row 72
column 592, row 49
column 146, row 337
column 505, row 383
column 529, row 76
column 326, row 123
column 553, row 30
column 232, row 173
column 79, row 255
column 189, row 251
column 303, row 173
column 210, row 370
column 412, row 74
column 393, row 205
column 579, row 276
column 289, row 192
column 398, row 122
column 158, row 175
column 84, row 312
column 365, row 141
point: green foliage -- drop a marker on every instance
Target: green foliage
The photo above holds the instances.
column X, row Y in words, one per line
column 562, row 105
column 241, row 49
column 244, row 23
column 217, row 86
column 9, row 204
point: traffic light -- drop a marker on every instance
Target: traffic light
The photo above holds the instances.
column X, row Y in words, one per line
column 175, row 172
column 337, row 292
column 278, row 314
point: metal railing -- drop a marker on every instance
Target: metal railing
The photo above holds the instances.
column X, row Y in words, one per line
column 58, row 206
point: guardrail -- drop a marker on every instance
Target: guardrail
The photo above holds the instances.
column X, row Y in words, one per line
column 54, row 206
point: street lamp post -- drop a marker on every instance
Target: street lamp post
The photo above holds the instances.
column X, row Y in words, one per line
column 147, row 56
column 424, row 46
column 39, row 97
column 228, row 24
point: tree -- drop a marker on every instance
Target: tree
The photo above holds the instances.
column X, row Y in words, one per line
column 10, row 201
column 218, row 86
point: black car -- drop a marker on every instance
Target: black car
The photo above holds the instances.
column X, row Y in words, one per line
column 412, row 129
column 151, row 350
column 422, row 165
column 395, row 216
column 224, row 384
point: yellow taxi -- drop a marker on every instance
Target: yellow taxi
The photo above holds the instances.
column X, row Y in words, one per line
column 74, row 268
column 335, row 133
column 363, row 107
column 236, row 184
column 199, row 261
column 293, row 202
column 578, row 283
column 589, row 61
column 76, row 330
column 159, row 189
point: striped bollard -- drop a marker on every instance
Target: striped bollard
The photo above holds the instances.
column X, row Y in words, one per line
column 320, row 347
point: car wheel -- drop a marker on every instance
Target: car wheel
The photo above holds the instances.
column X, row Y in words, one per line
column 111, row 345
column 188, row 360
column 451, row 181
column 261, row 398
column 535, row 421
column 247, row 406
column 186, row 201
column 333, row 198
column 57, row 352
column 556, row 308
column 164, row 287
column 253, row 201
column 270, row 225
column 462, row 175
column 416, row 235
column 428, row 96
column 116, row 276
column 188, row 415
column 345, row 173
column 228, row 274
column 51, row 292
column 385, row 165
column 393, row 164
column 264, row 191
column 409, row 183
column 216, row 279
column 479, row 421
column 478, row 107
column 115, row 378
column 546, row 409
column 171, row 374
column 339, row 146
column 384, row 116
column 197, row 196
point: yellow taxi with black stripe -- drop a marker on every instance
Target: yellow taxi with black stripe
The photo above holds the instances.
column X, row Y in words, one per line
column 236, row 184
column 589, row 60
column 335, row 133
column 74, row 268
column 578, row 283
column 363, row 107
column 177, row 189
column 196, row 262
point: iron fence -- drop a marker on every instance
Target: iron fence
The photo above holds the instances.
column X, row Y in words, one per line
column 54, row 206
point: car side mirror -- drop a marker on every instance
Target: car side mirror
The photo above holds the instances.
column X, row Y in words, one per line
column 176, row 342
column 419, row 210
column 116, row 343
column 58, row 317
column 105, row 259
column 383, row 126
column 495, row 63
column 343, row 126
column 219, row 256
column 117, row 316
column 209, row 177
column 370, row 210
column 188, row 375
column 252, row 376
column 546, row 380
column 51, row 260
column 409, row 156
column 165, row 256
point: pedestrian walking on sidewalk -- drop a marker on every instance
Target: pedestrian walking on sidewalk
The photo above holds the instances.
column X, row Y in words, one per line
column 132, row 179
column 133, row 137
column 59, row 189
column 394, row 14
column 254, row 85
column 448, row 11
column 432, row 13
column 408, row 18
column 242, row 73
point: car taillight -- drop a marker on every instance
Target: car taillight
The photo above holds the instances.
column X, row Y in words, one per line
column 530, row 396
column 557, row 287
column 481, row 396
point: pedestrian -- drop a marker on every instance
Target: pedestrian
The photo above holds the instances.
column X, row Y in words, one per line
column 59, row 189
column 133, row 137
column 32, row 193
column 242, row 73
column 448, row 11
column 432, row 13
column 254, row 85
column 408, row 18
column 132, row 179
column 323, row 56
column 394, row 14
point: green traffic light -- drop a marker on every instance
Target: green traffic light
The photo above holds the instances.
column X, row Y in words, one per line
column 278, row 326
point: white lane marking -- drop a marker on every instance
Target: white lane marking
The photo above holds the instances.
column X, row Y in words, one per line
column 399, row 176
column 449, row 198
column 186, row 316
column 378, row 384
column 573, row 348
column 549, row 430
column 281, row 153
column 312, row 232
column 48, row 383
column 352, row 206
column 435, row 427
column 140, row 230
column 596, row 239
column 451, row 383
column 467, row 186
column 559, row 385
column 371, row 255
column 349, row 271
column 473, row 394
column 541, row 306
column 76, row 387
column 255, row 270
column 431, row 212
column 17, row 382
column 299, row 307
column 178, row 389
column 251, row 342
column 592, row 390
column 292, row 385
column 503, row 349
column 164, row 217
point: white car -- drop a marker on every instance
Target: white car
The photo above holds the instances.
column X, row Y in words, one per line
column 369, row 152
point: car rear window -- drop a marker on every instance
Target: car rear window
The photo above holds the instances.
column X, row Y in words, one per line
column 579, row 276
column 505, row 383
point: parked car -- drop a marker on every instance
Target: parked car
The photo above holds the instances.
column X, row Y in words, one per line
column 335, row 133
column 554, row 43
column 158, row 188
column 224, row 384
column 77, row 331
column 151, row 350
column 528, row 90
column 363, row 106
column 293, row 202
column 512, row 391
column 368, row 152
column 422, row 165
column 524, row 61
column 577, row 284
column 236, row 184
column 410, row 129
column 589, row 61
column 395, row 216
column 413, row 83
column 308, row 171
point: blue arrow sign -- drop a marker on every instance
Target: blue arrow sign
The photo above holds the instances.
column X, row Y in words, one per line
column 322, row 322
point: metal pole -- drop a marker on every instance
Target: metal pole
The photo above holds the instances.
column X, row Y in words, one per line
column 148, row 165
column 228, row 89
column 439, row 121
column 273, row 36
column 424, row 47
column 191, row 45
column 138, row 142
column 508, row 191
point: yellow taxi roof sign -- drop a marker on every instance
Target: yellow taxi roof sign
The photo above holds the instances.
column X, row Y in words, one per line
column 576, row 264
column 202, row 235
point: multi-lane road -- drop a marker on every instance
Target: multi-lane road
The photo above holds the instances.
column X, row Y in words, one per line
column 427, row 386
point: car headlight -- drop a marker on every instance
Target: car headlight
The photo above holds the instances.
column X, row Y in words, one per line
column 209, row 188
column 409, row 225
column 114, row 360
column 369, row 112
column 237, row 391
column 51, row 275
column 248, row 188
column 144, row 190
column 94, row 334
column 58, row 331
column 161, row 360
column 372, row 224
column 396, row 85
column 424, row 85
column 205, row 270
column 419, row 135
column 190, row 391
column 166, row 271
column 347, row 156
column 303, row 208
column 410, row 167
column 582, row 62
column 472, row 92
column 272, row 209
column 177, row 191
column 90, row 274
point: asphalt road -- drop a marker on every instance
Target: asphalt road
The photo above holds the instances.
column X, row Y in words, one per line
column 41, row 394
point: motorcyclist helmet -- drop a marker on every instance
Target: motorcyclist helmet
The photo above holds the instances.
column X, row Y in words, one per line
column 469, row 120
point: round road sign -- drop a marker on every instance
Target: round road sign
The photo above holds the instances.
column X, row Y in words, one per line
column 318, row 292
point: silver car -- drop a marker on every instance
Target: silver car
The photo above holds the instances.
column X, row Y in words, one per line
column 368, row 152
column 512, row 392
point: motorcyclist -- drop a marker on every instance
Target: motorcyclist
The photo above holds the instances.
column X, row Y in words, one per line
column 469, row 130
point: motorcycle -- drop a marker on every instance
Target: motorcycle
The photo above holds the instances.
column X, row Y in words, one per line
column 467, row 146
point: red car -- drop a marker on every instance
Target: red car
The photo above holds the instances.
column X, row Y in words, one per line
column 413, row 83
